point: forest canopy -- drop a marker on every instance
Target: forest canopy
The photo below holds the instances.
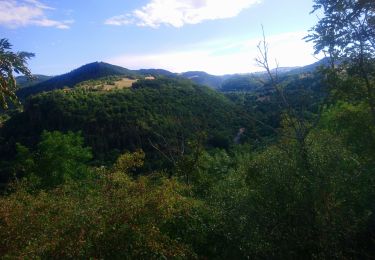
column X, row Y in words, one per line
column 272, row 166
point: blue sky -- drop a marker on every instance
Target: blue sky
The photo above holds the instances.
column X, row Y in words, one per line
column 216, row 36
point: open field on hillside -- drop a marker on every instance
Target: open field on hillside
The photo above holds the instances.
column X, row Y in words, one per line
column 120, row 84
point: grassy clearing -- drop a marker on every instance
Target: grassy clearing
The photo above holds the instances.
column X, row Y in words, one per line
column 120, row 84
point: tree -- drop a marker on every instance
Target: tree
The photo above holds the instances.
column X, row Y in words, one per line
column 58, row 159
column 11, row 62
column 297, row 125
column 346, row 34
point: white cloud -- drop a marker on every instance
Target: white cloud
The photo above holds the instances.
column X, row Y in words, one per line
column 177, row 13
column 289, row 49
column 17, row 13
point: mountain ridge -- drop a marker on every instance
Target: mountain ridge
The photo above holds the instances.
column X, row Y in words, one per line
column 96, row 70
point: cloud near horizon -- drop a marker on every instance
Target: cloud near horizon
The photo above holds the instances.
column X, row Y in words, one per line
column 225, row 58
column 177, row 13
column 19, row 13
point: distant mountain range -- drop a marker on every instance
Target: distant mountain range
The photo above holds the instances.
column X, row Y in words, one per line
column 98, row 70
column 24, row 82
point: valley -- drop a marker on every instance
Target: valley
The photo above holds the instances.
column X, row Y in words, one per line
column 107, row 162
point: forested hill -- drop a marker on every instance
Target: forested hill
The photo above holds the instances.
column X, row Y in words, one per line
column 90, row 71
column 110, row 163
column 96, row 70
column 24, row 82
column 206, row 79
column 149, row 114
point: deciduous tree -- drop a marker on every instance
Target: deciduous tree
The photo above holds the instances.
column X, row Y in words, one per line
column 11, row 62
column 346, row 34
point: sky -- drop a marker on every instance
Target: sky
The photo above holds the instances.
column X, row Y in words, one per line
column 216, row 36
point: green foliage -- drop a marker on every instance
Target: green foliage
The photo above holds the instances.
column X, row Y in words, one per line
column 130, row 161
column 165, row 112
column 272, row 208
column 251, row 205
column 353, row 123
column 211, row 168
column 9, row 62
column 59, row 158
column 346, row 28
column 292, row 187
column 346, row 34
column 117, row 217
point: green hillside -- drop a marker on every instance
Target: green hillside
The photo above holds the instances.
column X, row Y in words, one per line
column 24, row 82
column 97, row 70
column 90, row 71
column 109, row 163
column 128, row 119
